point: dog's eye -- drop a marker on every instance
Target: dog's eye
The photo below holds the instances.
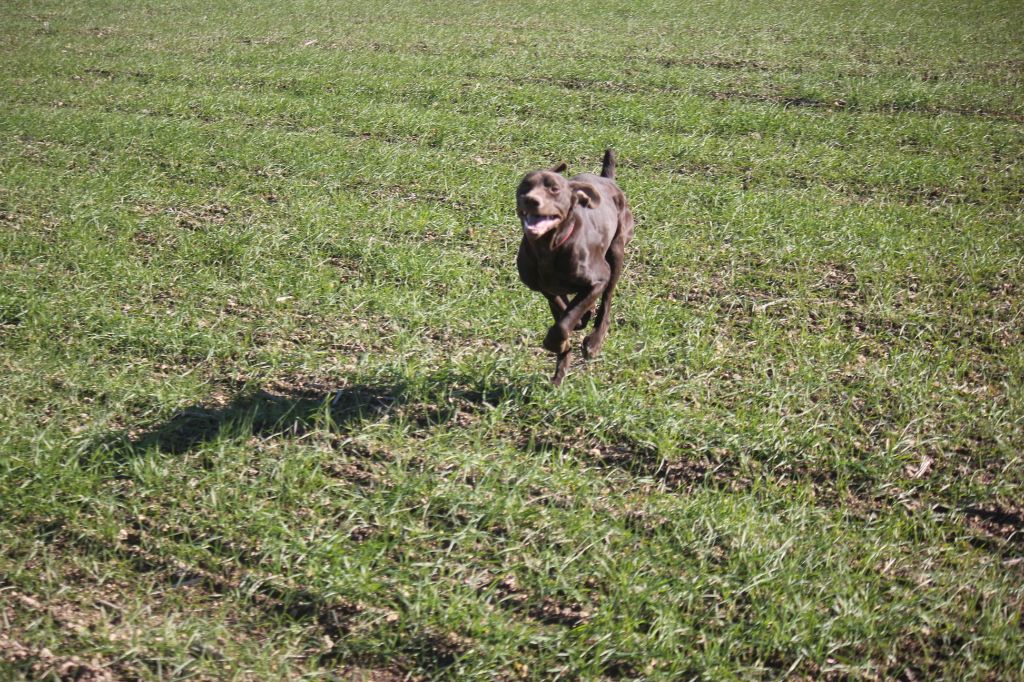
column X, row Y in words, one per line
column 554, row 189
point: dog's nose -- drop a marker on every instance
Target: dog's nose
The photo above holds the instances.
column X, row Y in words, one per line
column 528, row 203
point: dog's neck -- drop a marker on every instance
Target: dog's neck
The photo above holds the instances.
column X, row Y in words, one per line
column 557, row 241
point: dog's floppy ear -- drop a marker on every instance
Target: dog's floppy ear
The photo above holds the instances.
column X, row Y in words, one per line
column 559, row 167
column 586, row 194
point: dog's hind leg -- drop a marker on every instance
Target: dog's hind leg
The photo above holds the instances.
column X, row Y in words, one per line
column 585, row 320
column 592, row 343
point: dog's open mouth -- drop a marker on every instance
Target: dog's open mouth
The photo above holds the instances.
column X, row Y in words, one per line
column 537, row 225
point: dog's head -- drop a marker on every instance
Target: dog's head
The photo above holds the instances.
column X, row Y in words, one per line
column 544, row 200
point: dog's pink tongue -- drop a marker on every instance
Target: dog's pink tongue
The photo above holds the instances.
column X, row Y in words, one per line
column 537, row 225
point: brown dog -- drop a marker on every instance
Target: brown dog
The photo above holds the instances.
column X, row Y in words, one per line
column 575, row 233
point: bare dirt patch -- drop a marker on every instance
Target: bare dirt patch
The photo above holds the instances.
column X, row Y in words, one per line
column 550, row 610
column 555, row 612
column 1004, row 523
column 41, row 663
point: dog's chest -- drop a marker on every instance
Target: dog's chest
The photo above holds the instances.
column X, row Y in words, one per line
column 557, row 283
column 558, row 273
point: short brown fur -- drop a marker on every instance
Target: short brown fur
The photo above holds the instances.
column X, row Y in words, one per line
column 586, row 225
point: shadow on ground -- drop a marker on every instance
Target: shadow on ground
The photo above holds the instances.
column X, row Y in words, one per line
column 293, row 408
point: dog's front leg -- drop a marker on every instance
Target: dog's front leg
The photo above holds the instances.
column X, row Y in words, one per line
column 558, row 304
column 561, row 365
column 557, row 339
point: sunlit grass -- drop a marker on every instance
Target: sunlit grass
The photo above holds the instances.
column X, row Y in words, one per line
column 273, row 401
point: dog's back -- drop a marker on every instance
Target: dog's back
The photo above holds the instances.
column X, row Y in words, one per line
column 610, row 195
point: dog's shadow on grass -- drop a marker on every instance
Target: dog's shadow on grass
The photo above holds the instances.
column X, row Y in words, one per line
column 292, row 409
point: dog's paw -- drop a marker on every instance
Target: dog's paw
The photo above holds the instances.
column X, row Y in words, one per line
column 556, row 341
column 591, row 347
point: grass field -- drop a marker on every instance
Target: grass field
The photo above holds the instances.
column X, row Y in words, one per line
column 272, row 398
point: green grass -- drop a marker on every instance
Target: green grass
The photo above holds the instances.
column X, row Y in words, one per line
column 273, row 403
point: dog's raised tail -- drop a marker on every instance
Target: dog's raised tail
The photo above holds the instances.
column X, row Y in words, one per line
column 608, row 165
